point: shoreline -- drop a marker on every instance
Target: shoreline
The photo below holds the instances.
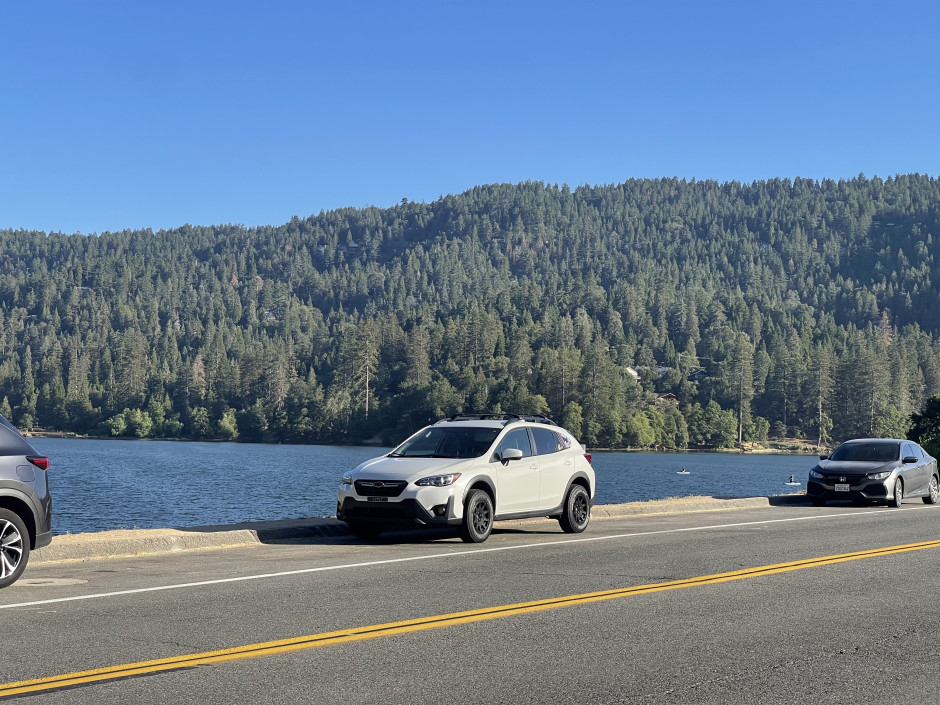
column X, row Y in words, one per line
column 797, row 446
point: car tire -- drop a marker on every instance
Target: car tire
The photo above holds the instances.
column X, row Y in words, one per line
column 898, row 495
column 576, row 513
column 933, row 491
column 14, row 547
column 366, row 532
column 477, row 517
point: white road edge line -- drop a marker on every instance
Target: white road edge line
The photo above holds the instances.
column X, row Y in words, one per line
column 321, row 569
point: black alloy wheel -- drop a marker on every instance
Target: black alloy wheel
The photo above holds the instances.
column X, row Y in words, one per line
column 577, row 511
column 477, row 517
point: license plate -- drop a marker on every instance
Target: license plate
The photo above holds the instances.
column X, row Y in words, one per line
column 843, row 488
column 377, row 499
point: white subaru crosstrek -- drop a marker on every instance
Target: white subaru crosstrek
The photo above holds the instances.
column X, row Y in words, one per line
column 468, row 471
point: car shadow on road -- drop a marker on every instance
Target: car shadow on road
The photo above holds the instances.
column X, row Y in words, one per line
column 407, row 536
column 330, row 530
column 788, row 500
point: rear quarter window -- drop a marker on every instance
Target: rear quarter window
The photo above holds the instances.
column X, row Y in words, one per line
column 548, row 441
column 12, row 443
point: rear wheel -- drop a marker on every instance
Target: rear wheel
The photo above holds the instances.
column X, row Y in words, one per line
column 933, row 491
column 577, row 511
column 477, row 517
column 898, row 496
column 14, row 547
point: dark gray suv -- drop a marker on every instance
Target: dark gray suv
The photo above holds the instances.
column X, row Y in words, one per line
column 25, row 502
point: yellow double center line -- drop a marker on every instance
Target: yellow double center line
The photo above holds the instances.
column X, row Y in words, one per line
column 269, row 648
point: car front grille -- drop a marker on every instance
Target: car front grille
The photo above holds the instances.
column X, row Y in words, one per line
column 380, row 488
column 843, row 478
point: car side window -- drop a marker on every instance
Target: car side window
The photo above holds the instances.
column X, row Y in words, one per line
column 518, row 438
column 546, row 441
column 908, row 451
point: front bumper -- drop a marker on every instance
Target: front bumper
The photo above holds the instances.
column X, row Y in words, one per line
column 860, row 490
column 404, row 512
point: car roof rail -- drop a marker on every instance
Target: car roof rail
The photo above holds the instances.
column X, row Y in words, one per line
column 508, row 418
column 474, row 417
column 534, row 418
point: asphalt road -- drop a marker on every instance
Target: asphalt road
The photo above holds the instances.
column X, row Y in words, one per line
column 624, row 613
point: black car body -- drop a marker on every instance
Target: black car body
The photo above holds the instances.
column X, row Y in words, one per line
column 875, row 469
column 25, row 502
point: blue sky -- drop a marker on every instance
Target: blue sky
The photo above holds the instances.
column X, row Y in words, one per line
column 139, row 114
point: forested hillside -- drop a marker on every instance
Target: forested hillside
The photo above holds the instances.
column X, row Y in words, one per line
column 655, row 313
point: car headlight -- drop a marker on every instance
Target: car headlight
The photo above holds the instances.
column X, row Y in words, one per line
column 438, row 480
column 347, row 479
column 815, row 474
column 879, row 475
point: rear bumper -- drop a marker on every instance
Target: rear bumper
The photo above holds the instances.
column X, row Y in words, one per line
column 43, row 539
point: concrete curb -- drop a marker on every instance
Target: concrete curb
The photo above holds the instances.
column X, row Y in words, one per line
column 124, row 543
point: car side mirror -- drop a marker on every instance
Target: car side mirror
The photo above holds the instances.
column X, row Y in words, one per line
column 909, row 459
column 824, row 457
column 511, row 454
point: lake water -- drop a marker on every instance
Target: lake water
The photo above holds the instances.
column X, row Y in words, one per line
column 104, row 484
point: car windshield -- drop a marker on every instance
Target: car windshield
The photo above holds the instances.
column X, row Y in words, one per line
column 448, row 442
column 868, row 452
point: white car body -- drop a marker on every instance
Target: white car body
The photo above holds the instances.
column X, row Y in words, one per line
column 526, row 467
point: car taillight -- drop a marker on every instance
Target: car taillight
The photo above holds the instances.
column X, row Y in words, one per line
column 587, row 457
column 40, row 461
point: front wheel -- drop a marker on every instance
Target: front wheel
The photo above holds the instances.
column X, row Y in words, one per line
column 933, row 493
column 14, row 547
column 577, row 511
column 898, row 496
column 477, row 517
